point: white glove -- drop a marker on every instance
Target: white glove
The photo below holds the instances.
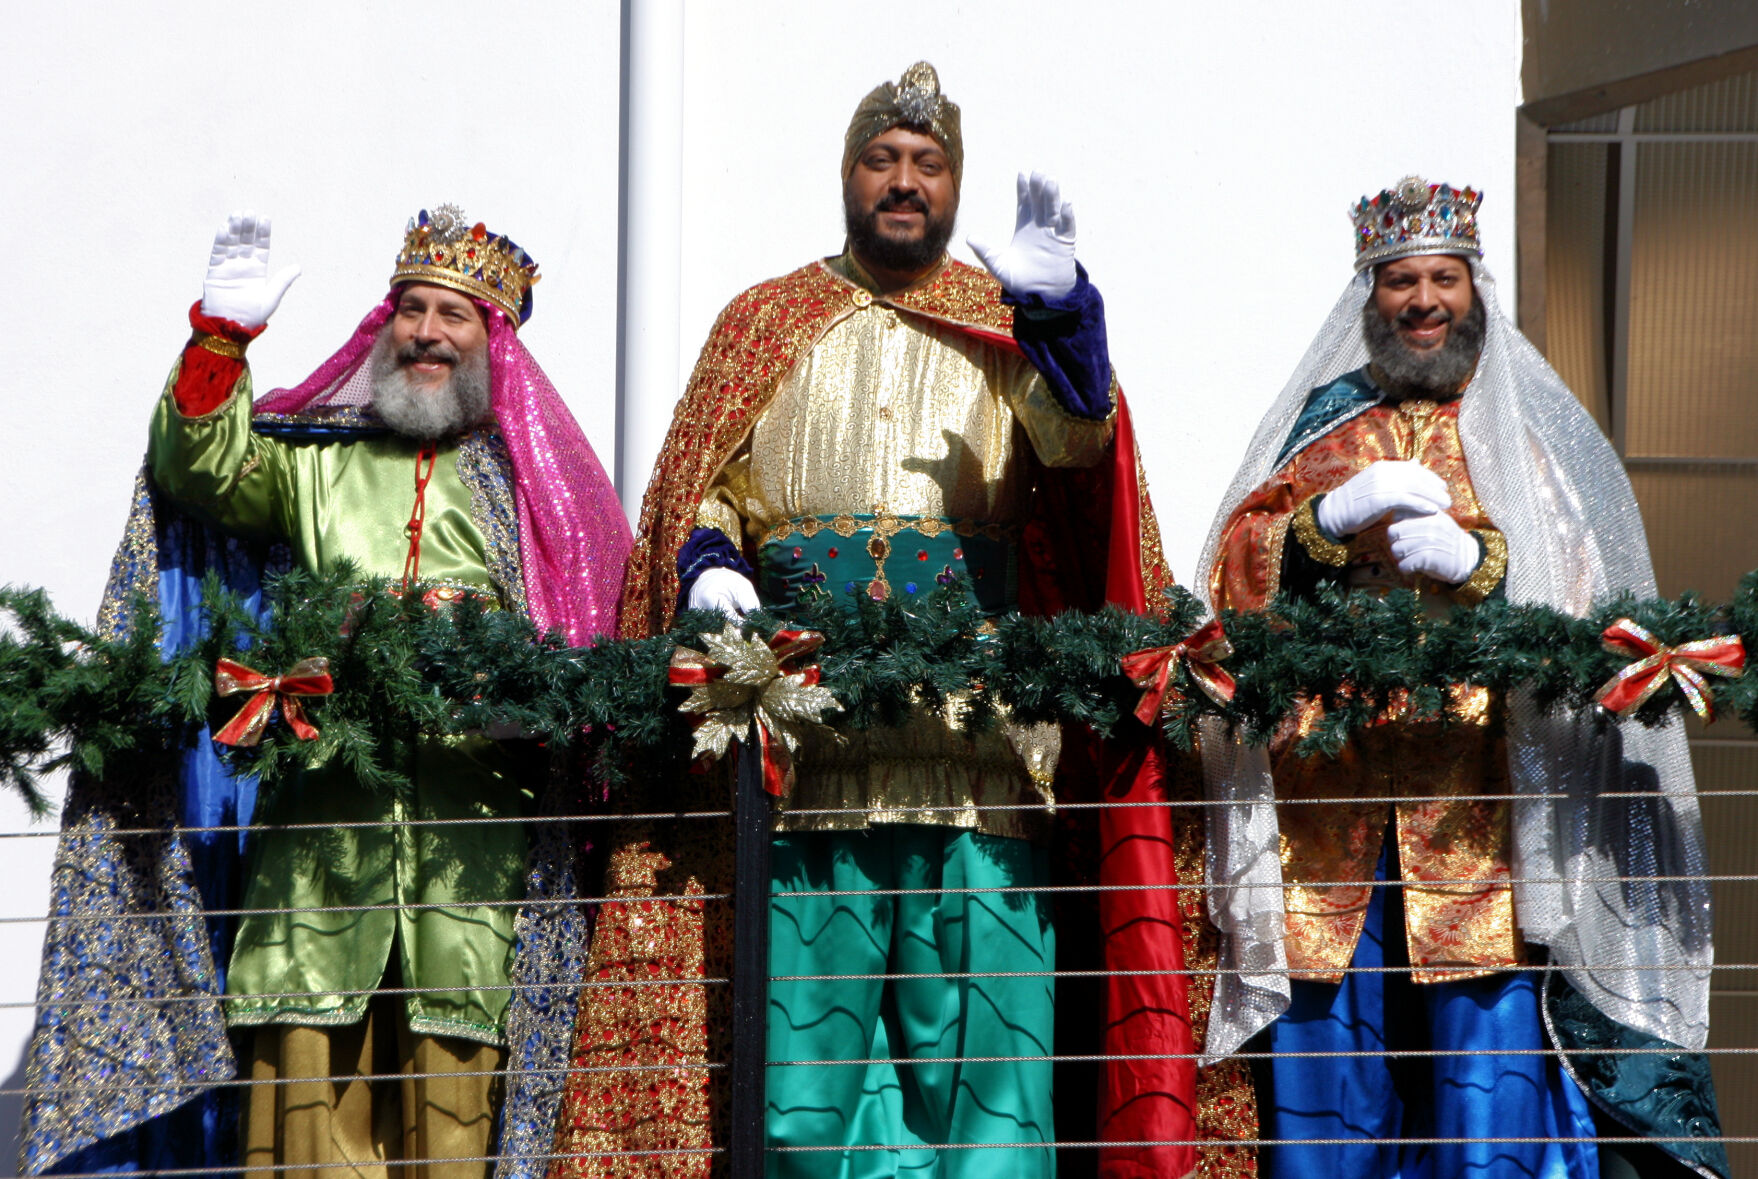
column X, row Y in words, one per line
column 1434, row 545
column 725, row 590
column 1040, row 258
column 1404, row 489
column 239, row 286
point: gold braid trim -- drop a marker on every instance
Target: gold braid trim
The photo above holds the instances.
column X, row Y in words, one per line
column 1490, row 570
column 218, row 345
column 1317, row 545
column 758, row 339
column 754, row 345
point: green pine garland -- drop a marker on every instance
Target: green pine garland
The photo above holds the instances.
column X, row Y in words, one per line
column 71, row 699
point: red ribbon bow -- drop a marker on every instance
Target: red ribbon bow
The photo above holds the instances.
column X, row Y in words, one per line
column 309, row 677
column 690, row 669
column 1656, row 663
column 1202, row 652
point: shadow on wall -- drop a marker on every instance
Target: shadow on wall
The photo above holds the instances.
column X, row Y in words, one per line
column 11, row 1111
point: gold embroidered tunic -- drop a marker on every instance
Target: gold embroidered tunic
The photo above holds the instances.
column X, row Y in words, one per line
column 1452, row 855
column 892, row 432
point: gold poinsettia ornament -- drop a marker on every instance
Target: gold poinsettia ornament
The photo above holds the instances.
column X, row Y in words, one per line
column 740, row 680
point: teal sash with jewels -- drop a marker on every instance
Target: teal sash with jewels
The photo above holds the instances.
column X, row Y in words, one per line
column 886, row 556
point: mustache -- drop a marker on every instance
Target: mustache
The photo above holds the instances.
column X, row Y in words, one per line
column 418, row 350
column 1410, row 316
column 897, row 202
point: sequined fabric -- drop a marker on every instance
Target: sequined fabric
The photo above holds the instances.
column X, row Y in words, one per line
column 1452, row 852
column 934, row 415
column 108, row 1055
column 572, row 532
column 1226, row 1102
column 1464, row 926
column 647, row 1027
column 96, row 1069
column 553, row 931
column 756, row 342
column 485, row 467
column 1558, row 493
column 1248, row 571
column 1091, row 538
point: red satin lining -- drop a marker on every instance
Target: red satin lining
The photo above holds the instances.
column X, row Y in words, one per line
column 206, row 378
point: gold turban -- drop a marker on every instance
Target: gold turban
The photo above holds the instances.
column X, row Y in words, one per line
column 914, row 101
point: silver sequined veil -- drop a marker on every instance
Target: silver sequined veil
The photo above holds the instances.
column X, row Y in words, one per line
column 1613, row 886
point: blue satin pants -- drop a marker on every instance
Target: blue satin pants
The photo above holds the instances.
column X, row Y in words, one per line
column 1371, row 1101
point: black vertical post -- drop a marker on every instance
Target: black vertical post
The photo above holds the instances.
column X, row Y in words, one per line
column 750, row 980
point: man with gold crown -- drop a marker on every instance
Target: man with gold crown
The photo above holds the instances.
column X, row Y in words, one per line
column 1424, row 444
column 433, row 448
column 881, row 422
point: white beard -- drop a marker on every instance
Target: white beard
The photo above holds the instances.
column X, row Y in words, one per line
column 424, row 412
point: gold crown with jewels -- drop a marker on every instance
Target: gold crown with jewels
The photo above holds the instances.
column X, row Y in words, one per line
column 1416, row 217
column 442, row 247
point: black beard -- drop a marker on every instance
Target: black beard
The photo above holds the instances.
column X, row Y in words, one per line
column 906, row 257
column 1439, row 373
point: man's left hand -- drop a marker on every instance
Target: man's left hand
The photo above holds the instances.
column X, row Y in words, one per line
column 1040, row 258
column 1434, row 546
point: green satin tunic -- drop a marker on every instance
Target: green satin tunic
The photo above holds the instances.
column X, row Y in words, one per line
column 351, row 499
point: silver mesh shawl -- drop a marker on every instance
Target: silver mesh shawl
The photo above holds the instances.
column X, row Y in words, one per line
column 1613, row 886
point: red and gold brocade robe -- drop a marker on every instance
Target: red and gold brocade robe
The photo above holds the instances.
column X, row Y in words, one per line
column 1452, row 854
column 1090, row 537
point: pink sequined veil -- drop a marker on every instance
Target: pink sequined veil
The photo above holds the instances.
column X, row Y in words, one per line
column 573, row 536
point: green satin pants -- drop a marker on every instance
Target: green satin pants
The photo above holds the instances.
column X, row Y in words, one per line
column 915, row 1105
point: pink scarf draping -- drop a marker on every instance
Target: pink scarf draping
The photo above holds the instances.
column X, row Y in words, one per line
column 573, row 536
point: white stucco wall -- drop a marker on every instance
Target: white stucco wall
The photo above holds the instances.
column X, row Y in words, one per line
column 1211, row 152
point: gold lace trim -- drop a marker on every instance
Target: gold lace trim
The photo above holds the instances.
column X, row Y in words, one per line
column 1490, row 570
column 1318, row 546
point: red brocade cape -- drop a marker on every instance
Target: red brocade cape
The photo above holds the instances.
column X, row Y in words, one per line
column 1091, row 539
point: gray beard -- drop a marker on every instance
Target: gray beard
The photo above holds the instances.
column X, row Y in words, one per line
column 420, row 411
column 1440, row 373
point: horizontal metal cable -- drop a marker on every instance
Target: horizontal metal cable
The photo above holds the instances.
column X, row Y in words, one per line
column 614, row 984
column 62, row 1004
column 1201, row 1143
column 373, row 824
column 488, row 988
column 664, row 816
column 863, row 1062
column 1475, row 884
column 917, row 1148
column 369, row 1078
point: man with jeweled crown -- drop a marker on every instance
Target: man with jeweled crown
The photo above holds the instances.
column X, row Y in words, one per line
column 431, row 448
column 882, row 422
column 1432, row 870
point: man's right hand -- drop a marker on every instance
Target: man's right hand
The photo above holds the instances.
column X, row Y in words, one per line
column 725, row 590
column 239, row 286
column 1401, row 489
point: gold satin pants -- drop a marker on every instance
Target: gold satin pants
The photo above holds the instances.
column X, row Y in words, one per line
column 310, row 1101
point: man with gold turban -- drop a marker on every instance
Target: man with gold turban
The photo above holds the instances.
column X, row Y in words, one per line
column 430, row 447
column 1411, row 885
column 882, row 422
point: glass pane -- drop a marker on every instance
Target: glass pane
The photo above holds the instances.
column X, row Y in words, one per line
column 1575, row 263
column 1728, row 105
column 1693, row 351
column 1597, row 123
column 1699, row 527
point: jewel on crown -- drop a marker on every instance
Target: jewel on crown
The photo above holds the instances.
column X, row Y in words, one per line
column 1415, row 217
column 918, row 95
column 443, row 247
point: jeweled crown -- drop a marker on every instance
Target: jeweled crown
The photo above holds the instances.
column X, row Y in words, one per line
column 443, row 247
column 1416, row 217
